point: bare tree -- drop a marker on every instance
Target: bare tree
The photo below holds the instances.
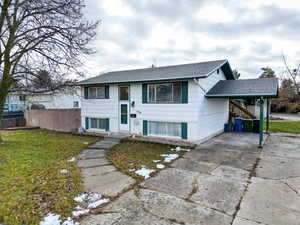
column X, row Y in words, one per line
column 293, row 74
column 39, row 34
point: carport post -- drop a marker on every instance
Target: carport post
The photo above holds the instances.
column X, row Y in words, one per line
column 261, row 121
column 268, row 116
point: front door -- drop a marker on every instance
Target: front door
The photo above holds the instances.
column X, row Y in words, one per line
column 124, row 108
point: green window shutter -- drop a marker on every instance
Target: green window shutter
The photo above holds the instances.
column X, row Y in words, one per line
column 145, row 127
column 107, row 91
column 87, row 123
column 144, row 93
column 184, row 92
column 184, row 131
column 107, row 124
column 86, row 92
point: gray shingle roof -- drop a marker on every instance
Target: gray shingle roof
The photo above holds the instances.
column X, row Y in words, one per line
column 267, row 87
column 183, row 71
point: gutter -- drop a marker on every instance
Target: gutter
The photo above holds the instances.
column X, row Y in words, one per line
column 197, row 83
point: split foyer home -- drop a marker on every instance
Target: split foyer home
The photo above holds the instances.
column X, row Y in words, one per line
column 169, row 101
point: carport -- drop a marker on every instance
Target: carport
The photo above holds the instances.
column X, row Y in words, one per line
column 263, row 89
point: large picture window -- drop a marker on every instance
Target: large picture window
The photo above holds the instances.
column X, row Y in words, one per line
column 164, row 93
column 96, row 92
column 165, row 129
column 97, row 123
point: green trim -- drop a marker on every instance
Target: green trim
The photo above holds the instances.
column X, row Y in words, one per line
column 124, row 118
column 261, row 122
column 184, row 92
column 144, row 93
column 86, row 92
column 107, row 124
column 241, row 95
column 87, row 122
column 143, row 81
column 145, row 127
column 106, row 91
column 184, row 131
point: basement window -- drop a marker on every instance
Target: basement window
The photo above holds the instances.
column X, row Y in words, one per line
column 97, row 123
column 168, row 129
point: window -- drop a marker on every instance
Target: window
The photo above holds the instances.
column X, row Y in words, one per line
column 164, row 93
column 96, row 92
column 75, row 104
column 124, row 93
column 97, row 123
column 165, row 129
column 22, row 98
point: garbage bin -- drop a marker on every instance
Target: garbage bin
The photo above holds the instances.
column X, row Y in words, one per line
column 256, row 126
column 227, row 127
column 238, row 126
column 247, row 125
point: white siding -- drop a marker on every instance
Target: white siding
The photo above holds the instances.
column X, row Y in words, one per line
column 204, row 117
column 213, row 113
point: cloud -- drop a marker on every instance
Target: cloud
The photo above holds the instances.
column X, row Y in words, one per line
column 137, row 33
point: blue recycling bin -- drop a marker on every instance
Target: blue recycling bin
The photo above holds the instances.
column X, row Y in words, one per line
column 238, row 126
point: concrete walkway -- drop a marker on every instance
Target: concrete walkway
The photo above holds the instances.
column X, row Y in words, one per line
column 99, row 175
column 227, row 180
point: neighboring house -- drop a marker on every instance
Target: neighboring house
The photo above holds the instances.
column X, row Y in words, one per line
column 60, row 99
column 161, row 101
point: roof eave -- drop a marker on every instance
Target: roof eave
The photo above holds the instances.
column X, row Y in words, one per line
column 242, row 95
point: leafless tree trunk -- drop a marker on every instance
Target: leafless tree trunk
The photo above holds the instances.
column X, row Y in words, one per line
column 39, row 34
column 293, row 74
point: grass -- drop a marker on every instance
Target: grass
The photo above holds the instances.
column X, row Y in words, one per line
column 131, row 155
column 30, row 182
column 287, row 127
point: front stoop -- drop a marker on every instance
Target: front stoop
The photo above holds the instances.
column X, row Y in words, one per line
column 99, row 175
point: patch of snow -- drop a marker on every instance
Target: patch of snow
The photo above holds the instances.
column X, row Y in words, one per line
column 98, row 203
column 51, row 219
column 169, row 157
column 144, row 172
column 178, row 149
column 156, row 161
column 85, row 143
column 160, row 166
column 131, row 170
column 81, row 198
column 72, row 159
column 64, row 171
column 93, row 197
column 80, row 212
column 69, row 221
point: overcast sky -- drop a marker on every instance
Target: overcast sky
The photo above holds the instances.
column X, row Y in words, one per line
column 250, row 34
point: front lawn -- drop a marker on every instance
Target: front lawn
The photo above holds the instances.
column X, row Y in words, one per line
column 31, row 184
column 130, row 156
column 287, row 127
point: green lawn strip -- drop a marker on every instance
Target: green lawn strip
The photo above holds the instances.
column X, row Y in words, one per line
column 31, row 184
column 130, row 155
column 287, row 127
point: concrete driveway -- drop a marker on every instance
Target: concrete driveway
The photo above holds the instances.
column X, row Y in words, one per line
column 227, row 180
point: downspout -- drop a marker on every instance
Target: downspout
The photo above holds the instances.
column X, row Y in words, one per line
column 196, row 82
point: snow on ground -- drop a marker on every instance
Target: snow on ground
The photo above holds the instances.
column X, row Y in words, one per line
column 156, row 161
column 80, row 212
column 169, row 157
column 98, row 203
column 53, row 219
column 72, row 159
column 64, row 171
column 160, row 166
column 178, row 149
column 131, row 170
column 144, row 172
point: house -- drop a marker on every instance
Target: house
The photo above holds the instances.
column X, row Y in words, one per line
column 170, row 101
column 64, row 98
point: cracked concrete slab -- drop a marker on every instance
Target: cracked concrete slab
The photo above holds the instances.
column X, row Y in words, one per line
column 173, row 181
column 219, row 193
column 104, row 144
column 270, row 202
column 273, row 167
column 92, row 162
column 231, row 173
column 110, row 184
column 294, row 183
column 95, row 171
column 91, row 154
column 193, row 165
column 241, row 221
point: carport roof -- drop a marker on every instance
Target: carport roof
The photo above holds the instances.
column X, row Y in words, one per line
column 247, row 88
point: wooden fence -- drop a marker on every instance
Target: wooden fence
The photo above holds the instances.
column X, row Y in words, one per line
column 65, row 120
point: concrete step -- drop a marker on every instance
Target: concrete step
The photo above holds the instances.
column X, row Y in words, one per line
column 103, row 144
